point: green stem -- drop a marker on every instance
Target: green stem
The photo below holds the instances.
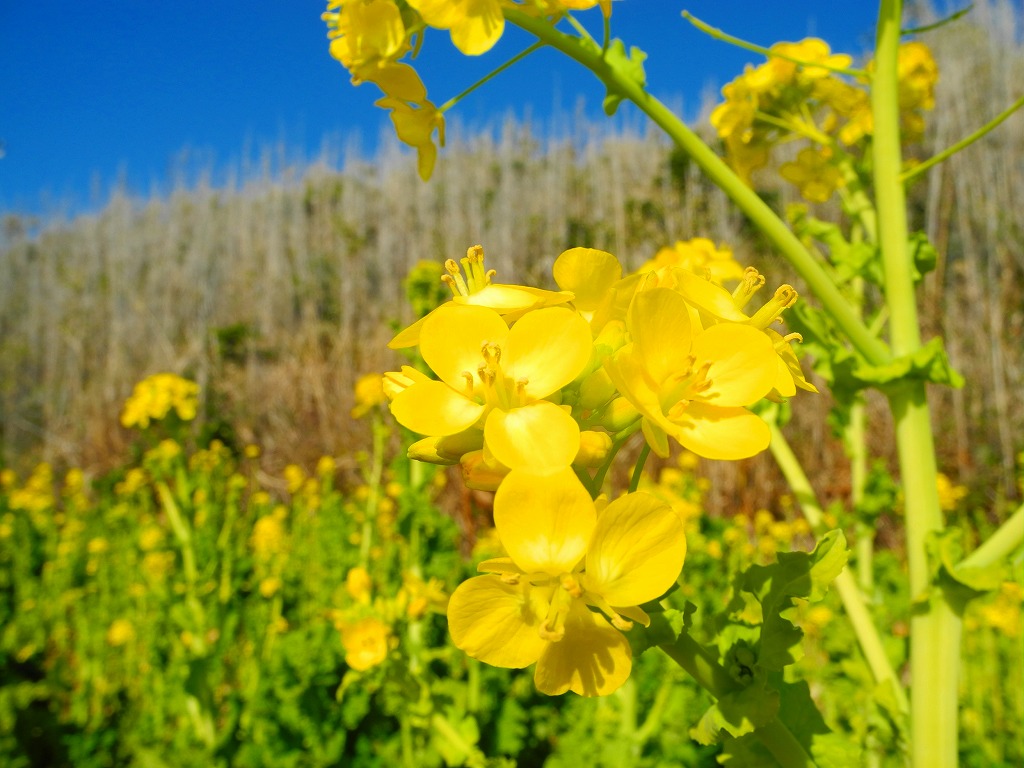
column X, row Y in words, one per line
column 853, row 601
column 934, row 636
column 514, row 60
column 716, row 169
column 372, row 479
column 617, row 442
column 768, row 52
column 713, row 677
column 917, row 170
column 638, row 470
column 1000, row 545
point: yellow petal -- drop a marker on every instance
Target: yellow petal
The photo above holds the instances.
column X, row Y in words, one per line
column 540, row 436
column 547, row 347
column 588, row 273
column 451, row 339
column 743, row 363
column 544, row 521
column 593, row 659
column 480, row 28
column 434, row 408
column 659, row 321
column 721, row 433
column 497, row 622
column 711, row 298
column 636, row 552
column 627, row 373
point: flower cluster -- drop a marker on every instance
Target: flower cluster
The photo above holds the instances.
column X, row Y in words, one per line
column 535, row 392
column 542, row 380
column 801, row 92
column 371, row 39
column 156, row 396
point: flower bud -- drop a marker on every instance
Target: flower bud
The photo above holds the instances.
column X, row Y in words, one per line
column 618, row 415
column 594, row 449
column 596, row 390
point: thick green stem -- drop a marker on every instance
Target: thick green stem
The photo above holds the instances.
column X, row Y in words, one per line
column 716, row 169
column 713, row 677
column 853, row 600
column 934, row 632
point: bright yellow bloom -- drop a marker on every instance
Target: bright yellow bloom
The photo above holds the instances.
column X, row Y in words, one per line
column 565, row 560
column 120, row 632
column 475, row 25
column 476, row 289
column 365, row 33
column 365, row 642
column 496, row 379
column 693, row 385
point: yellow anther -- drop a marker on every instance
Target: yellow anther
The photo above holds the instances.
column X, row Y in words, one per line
column 784, row 298
column 570, row 584
column 469, row 380
column 509, row 578
column 751, row 282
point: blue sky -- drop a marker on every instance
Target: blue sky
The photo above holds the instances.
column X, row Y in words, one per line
column 94, row 93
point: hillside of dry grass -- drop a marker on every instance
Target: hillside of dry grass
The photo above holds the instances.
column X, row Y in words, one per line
column 276, row 292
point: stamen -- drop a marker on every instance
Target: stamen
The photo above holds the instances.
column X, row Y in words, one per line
column 456, row 274
column 469, row 380
column 570, row 584
column 750, row 284
column 784, row 298
column 509, row 578
column 793, row 337
column 450, row 282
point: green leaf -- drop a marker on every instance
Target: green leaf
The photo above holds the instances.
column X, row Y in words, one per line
column 630, row 66
column 960, row 585
column 738, row 713
column 805, row 575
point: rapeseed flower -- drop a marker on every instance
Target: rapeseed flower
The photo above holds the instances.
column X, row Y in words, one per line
column 693, row 385
column 495, row 379
column 571, row 585
column 365, row 642
column 156, row 396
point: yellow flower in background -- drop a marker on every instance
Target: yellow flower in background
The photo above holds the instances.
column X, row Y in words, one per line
column 700, row 256
column 950, row 495
column 476, row 289
column 120, row 632
column 810, row 51
column 564, row 561
column 475, row 25
column 365, row 642
column 814, row 174
column 358, row 584
column 268, row 537
column 156, row 396
column 495, row 378
column 295, row 477
column 693, row 385
column 918, row 73
column 368, row 393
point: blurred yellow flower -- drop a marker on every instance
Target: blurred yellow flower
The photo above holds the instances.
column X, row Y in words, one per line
column 814, row 174
column 368, row 393
column 698, row 255
column 475, row 25
column 270, row 586
column 950, row 495
column 357, row 584
column 365, row 643
column 268, row 537
column 156, row 396
column 121, row 632
column 295, row 477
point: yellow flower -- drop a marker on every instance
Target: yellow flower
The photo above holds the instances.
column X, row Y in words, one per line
column 495, row 378
column 369, row 393
column 155, row 396
column 270, row 586
column 365, row 33
column 565, row 559
column 357, row 584
column 814, row 174
column 476, row 289
column 693, row 385
column 120, row 632
column 475, row 25
column 365, row 643
column 295, row 477
column 700, row 256
column 950, row 495
column 268, row 537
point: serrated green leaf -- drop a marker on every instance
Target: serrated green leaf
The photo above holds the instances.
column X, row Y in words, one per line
column 737, row 713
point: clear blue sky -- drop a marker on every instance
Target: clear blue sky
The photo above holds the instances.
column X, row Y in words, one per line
column 118, row 89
